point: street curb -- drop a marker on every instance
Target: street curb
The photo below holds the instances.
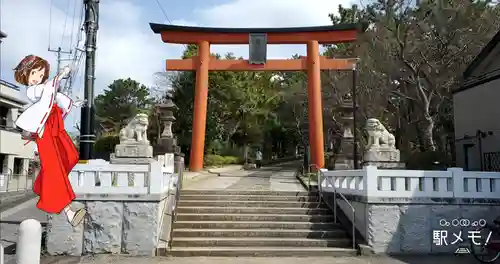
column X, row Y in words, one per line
column 19, row 206
column 10, row 204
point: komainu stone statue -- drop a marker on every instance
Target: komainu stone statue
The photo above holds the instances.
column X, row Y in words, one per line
column 381, row 149
column 378, row 136
column 136, row 130
column 134, row 145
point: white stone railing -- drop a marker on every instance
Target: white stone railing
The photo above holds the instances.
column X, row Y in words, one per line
column 101, row 177
column 15, row 182
column 452, row 183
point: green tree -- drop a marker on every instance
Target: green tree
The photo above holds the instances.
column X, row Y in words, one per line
column 411, row 57
column 123, row 99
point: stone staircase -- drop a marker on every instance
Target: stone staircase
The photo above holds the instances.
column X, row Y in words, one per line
column 255, row 223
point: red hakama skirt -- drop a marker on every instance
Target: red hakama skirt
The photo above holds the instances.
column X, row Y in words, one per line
column 58, row 156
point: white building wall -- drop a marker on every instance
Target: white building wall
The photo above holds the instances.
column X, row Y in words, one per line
column 477, row 108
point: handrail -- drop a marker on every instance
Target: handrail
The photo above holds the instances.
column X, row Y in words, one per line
column 178, row 188
column 309, row 174
column 320, row 189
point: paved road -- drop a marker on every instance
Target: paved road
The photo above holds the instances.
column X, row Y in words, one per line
column 9, row 225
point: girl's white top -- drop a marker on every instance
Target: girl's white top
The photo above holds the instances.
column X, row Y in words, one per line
column 42, row 97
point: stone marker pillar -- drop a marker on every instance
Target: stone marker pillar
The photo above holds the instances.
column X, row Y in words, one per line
column 29, row 242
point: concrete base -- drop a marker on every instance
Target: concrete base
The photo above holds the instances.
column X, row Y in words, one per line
column 109, row 227
column 121, row 160
column 385, row 164
column 133, row 150
column 344, row 164
column 406, row 226
column 378, row 154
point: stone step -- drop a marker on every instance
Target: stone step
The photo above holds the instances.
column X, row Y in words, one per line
column 261, row 232
column 260, row 251
column 212, row 197
column 254, row 224
column 240, row 192
column 259, row 241
column 273, row 204
column 252, row 210
column 253, row 217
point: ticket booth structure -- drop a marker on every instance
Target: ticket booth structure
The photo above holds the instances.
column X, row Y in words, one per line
column 258, row 39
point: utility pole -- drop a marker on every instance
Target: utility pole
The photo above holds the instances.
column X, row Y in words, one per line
column 87, row 135
column 59, row 51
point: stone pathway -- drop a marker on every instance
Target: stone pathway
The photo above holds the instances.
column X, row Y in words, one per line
column 276, row 178
column 108, row 259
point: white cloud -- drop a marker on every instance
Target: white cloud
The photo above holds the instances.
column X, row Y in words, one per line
column 265, row 13
column 126, row 45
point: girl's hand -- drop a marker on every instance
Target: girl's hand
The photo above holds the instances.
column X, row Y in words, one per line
column 28, row 135
column 79, row 103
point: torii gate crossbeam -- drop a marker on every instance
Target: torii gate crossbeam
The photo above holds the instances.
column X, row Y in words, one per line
column 313, row 64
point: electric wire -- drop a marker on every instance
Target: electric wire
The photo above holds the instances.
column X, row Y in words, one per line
column 166, row 17
column 50, row 23
column 66, row 12
column 73, row 23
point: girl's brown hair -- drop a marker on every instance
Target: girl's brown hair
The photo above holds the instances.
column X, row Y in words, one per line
column 29, row 63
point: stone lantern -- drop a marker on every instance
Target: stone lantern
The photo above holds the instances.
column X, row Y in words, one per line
column 167, row 141
column 345, row 158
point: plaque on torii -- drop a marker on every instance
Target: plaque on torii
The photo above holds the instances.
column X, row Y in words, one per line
column 257, row 48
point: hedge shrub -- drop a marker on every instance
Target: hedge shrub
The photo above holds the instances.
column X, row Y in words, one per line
column 218, row 160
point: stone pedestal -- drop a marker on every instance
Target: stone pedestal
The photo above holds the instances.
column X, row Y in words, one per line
column 167, row 145
column 344, row 160
column 133, row 150
column 383, row 157
column 136, row 153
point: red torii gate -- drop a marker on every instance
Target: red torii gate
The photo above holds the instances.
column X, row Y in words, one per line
column 313, row 64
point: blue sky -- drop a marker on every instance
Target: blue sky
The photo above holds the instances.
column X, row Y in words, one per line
column 126, row 45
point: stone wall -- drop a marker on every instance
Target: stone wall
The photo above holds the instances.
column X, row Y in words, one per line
column 110, row 227
column 405, row 226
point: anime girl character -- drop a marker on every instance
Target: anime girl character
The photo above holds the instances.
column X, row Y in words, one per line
column 43, row 123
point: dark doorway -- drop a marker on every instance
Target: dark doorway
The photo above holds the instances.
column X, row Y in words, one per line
column 467, row 155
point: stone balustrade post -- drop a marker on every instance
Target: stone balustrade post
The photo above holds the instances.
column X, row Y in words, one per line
column 29, row 242
column 1, row 254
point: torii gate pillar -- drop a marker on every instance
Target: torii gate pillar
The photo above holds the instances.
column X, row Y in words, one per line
column 200, row 107
column 313, row 64
column 315, row 108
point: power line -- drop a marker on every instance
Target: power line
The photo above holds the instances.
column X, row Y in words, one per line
column 73, row 23
column 163, row 11
column 65, row 21
column 50, row 21
column 168, row 19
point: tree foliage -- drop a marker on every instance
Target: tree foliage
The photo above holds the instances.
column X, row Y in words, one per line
column 122, row 100
column 411, row 57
